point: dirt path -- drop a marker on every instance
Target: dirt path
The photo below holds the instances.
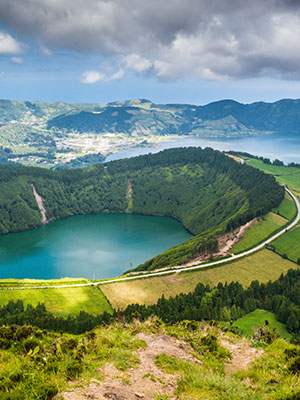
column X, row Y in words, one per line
column 144, row 382
column 40, row 204
column 242, row 353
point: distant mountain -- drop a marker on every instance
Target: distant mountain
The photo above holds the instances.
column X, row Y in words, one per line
column 58, row 134
column 281, row 116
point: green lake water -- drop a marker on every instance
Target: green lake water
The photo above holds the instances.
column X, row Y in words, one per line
column 90, row 246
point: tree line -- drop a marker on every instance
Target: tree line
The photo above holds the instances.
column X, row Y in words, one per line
column 16, row 313
column 224, row 302
column 227, row 302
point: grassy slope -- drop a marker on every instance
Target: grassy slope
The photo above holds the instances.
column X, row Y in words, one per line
column 65, row 362
column 61, row 301
column 41, row 282
column 287, row 208
column 286, row 175
column 266, row 225
column 289, row 244
column 257, row 318
column 263, row 266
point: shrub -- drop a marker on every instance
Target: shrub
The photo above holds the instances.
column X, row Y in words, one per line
column 295, row 365
column 73, row 369
column 5, row 343
column 69, row 344
column 30, row 344
column 23, row 332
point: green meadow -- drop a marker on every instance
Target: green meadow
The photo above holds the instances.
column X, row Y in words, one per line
column 249, row 322
column 260, row 230
column 290, row 176
column 287, row 208
column 289, row 244
column 62, row 301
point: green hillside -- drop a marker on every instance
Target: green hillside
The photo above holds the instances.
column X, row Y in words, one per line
column 205, row 190
column 289, row 176
column 61, row 301
column 250, row 322
column 288, row 245
column 188, row 346
column 150, row 360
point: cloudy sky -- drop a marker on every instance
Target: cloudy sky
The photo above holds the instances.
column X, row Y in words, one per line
column 188, row 51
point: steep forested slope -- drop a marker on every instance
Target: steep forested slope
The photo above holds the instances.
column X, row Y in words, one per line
column 205, row 190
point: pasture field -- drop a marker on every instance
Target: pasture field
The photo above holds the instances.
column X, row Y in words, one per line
column 257, row 318
column 62, row 301
column 289, row 244
column 264, row 265
column 290, row 176
column 257, row 232
column 287, row 208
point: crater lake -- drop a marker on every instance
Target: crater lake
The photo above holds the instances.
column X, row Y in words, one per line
column 91, row 246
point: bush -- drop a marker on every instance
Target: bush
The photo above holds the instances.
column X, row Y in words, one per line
column 295, row 366
column 30, row 344
column 5, row 343
column 69, row 344
column 23, row 332
column 73, row 369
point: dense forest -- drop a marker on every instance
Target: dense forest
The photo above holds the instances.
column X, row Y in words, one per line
column 205, row 190
column 230, row 302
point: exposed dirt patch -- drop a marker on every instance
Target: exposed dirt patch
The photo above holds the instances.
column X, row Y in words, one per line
column 227, row 241
column 235, row 158
column 40, row 204
column 242, row 353
column 143, row 382
column 129, row 189
column 225, row 244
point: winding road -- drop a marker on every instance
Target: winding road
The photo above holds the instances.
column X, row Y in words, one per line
column 180, row 269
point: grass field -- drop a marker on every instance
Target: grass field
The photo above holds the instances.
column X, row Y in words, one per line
column 266, row 225
column 40, row 282
column 263, row 266
column 288, row 176
column 257, row 318
column 289, row 244
column 287, row 208
column 61, row 301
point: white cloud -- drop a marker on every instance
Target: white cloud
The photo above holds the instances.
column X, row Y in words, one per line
column 93, row 76
column 137, row 63
column 17, row 60
column 43, row 50
column 9, row 45
column 117, row 75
